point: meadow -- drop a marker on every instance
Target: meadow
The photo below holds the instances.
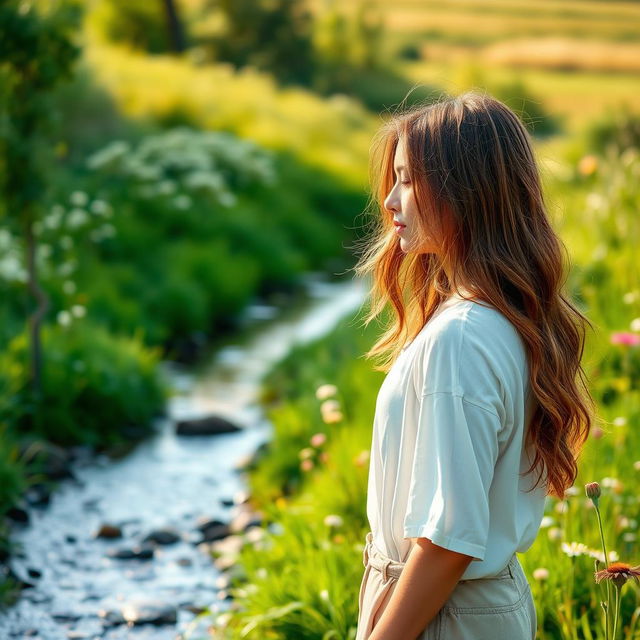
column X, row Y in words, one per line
column 184, row 189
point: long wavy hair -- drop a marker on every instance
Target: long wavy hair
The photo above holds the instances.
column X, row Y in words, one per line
column 476, row 182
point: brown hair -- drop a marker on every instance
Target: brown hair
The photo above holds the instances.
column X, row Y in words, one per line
column 471, row 162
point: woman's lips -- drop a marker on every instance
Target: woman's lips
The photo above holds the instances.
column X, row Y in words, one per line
column 399, row 227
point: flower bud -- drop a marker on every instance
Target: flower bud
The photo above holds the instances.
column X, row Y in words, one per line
column 592, row 490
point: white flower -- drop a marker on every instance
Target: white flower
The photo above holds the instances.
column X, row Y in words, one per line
column 69, row 287
column 575, row 549
column 635, row 325
column 79, row 198
column 572, row 491
column 77, row 217
column 333, row 520
column 546, row 522
column 620, row 421
column 631, row 296
column 325, row 391
column 540, row 574
column 182, row 201
column 598, row 555
column 64, row 318
column 78, row 310
column 562, row 506
column 66, row 242
column 100, row 207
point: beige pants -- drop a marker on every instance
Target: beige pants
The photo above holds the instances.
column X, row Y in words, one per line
column 497, row 608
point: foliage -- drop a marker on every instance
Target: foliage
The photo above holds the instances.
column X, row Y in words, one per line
column 95, row 385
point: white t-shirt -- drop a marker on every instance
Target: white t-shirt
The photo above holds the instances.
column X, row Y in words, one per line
column 447, row 442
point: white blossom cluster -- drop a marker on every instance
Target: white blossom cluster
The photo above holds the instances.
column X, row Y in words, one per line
column 182, row 161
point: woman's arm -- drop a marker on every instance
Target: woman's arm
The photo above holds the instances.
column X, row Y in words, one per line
column 425, row 584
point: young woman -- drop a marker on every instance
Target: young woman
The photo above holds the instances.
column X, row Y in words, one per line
column 484, row 381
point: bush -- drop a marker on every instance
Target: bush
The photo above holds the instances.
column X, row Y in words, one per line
column 96, row 387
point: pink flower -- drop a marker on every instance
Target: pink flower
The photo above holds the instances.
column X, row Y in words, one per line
column 318, row 439
column 625, row 337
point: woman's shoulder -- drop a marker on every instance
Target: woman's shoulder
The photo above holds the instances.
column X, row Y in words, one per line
column 467, row 346
column 469, row 320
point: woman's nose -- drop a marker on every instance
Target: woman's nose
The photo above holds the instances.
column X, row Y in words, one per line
column 390, row 204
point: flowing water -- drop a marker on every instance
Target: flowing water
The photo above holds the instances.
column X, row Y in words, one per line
column 165, row 481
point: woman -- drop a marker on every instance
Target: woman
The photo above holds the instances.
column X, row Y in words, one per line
column 484, row 383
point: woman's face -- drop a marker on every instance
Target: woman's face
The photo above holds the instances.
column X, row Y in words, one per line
column 401, row 201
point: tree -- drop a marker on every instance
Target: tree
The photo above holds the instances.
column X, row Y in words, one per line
column 272, row 35
column 37, row 53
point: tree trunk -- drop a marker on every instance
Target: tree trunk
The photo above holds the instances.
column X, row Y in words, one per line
column 174, row 26
column 42, row 299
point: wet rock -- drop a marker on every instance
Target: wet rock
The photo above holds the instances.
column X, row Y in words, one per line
column 230, row 545
column 166, row 535
column 34, row 573
column 212, row 530
column 184, row 562
column 18, row 513
column 8, row 574
column 71, row 539
column 207, row 426
column 107, row 530
column 131, row 553
column 246, row 518
column 135, row 613
column 38, row 494
column 227, row 502
column 48, row 458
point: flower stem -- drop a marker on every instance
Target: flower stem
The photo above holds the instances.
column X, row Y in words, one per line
column 618, row 602
column 606, row 564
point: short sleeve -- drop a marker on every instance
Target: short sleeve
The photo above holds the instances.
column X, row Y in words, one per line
column 457, row 442
column 453, row 464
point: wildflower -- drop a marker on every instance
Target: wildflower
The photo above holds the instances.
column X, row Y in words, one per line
column 631, row 296
column 618, row 573
column 555, row 533
column 562, row 506
column 620, row 421
column 597, row 433
column 541, row 574
column 612, row 556
column 329, row 405
column 325, row 391
column 318, row 439
column 635, row 325
column 324, row 457
column 575, row 549
column 572, row 491
column 79, row 198
column 64, row 318
column 362, row 458
column 324, row 594
column 592, row 490
column 78, row 310
column 612, row 483
column 588, row 165
column 636, row 465
column 546, row 522
column 332, row 416
column 333, row 520
column 306, row 465
column 306, row 453
column 626, row 338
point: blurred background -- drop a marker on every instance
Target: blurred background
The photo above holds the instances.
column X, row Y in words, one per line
column 185, row 412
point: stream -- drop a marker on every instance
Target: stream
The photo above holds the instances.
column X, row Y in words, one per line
column 110, row 586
